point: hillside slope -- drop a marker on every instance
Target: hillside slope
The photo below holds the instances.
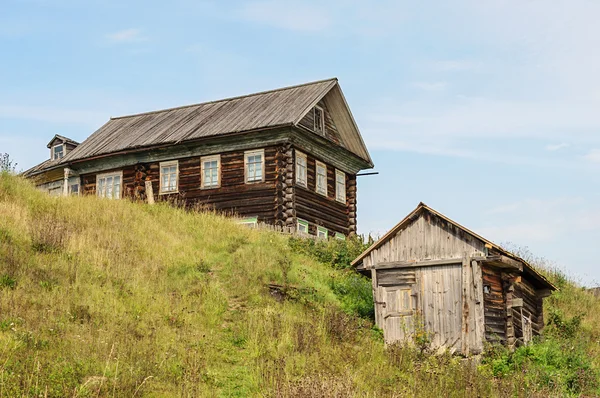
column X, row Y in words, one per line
column 113, row 298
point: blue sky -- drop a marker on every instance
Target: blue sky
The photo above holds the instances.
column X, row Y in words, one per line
column 487, row 111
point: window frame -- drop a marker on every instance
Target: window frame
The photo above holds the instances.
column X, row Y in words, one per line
column 299, row 182
column 322, row 230
column 64, row 151
column 78, row 188
column 247, row 154
column 304, row 223
column 317, row 164
column 340, row 236
column 337, row 192
column 249, row 221
column 106, row 175
column 160, row 175
column 322, row 119
column 205, row 159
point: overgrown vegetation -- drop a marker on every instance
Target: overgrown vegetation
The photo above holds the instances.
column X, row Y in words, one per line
column 113, row 298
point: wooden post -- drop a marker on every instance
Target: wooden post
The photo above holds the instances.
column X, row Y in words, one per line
column 479, row 316
column 466, row 298
column 509, row 288
column 149, row 192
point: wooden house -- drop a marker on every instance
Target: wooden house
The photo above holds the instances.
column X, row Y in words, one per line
column 432, row 275
column 287, row 157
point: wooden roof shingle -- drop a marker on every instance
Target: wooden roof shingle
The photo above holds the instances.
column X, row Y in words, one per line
column 268, row 109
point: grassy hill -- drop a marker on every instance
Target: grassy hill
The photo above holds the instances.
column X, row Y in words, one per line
column 113, row 298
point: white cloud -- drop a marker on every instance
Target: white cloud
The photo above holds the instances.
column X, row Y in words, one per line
column 286, row 15
column 430, row 86
column 593, row 156
column 126, row 36
column 556, row 147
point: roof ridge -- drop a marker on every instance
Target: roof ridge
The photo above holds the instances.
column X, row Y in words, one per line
column 225, row 99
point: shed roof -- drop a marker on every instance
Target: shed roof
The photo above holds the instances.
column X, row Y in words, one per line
column 528, row 269
column 268, row 109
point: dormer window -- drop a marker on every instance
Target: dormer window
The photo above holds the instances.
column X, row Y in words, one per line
column 58, row 151
column 319, row 119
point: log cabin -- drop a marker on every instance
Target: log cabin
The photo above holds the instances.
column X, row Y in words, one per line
column 287, row 157
column 433, row 276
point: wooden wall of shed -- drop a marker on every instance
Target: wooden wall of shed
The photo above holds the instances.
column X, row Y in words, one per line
column 320, row 210
column 494, row 305
column 234, row 195
column 427, row 238
column 438, row 301
column 532, row 304
column 331, row 131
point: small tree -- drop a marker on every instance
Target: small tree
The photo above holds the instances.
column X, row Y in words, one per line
column 7, row 164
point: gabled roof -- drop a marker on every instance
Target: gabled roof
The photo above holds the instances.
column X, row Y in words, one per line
column 62, row 139
column 422, row 207
column 268, row 109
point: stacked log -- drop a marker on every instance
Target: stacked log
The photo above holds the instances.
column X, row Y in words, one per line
column 284, row 199
column 139, row 182
column 351, row 199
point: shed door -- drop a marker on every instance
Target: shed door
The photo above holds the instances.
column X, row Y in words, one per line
column 399, row 313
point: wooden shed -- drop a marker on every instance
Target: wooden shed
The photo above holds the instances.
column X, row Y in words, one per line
column 431, row 274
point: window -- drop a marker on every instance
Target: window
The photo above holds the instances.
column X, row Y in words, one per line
column 249, row 221
column 211, row 171
column 255, row 165
column 302, row 226
column 340, row 236
column 321, row 178
column 74, row 189
column 319, row 119
column 300, row 169
column 169, row 173
column 322, row 232
column 109, row 185
column 487, row 289
column 58, row 151
column 340, row 186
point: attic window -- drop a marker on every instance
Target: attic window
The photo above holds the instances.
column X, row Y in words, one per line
column 319, row 116
column 58, row 151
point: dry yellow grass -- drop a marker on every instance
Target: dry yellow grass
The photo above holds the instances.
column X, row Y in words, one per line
column 113, row 298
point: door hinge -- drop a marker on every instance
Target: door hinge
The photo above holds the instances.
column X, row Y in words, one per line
column 380, row 302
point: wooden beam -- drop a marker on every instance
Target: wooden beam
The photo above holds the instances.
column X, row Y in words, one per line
column 410, row 264
column 502, row 261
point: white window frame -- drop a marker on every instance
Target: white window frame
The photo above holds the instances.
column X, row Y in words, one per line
column 302, row 223
column 247, row 154
column 106, row 175
column 322, row 119
column 170, row 163
column 64, row 151
column 205, row 159
column 303, row 182
column 317, row 190
column 322, row 232
column 340, row 194
column 249, row 221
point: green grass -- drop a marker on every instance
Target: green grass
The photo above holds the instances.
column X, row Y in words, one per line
column 114, row 298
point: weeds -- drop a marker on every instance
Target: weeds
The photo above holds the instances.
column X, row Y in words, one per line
column 115, row 298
